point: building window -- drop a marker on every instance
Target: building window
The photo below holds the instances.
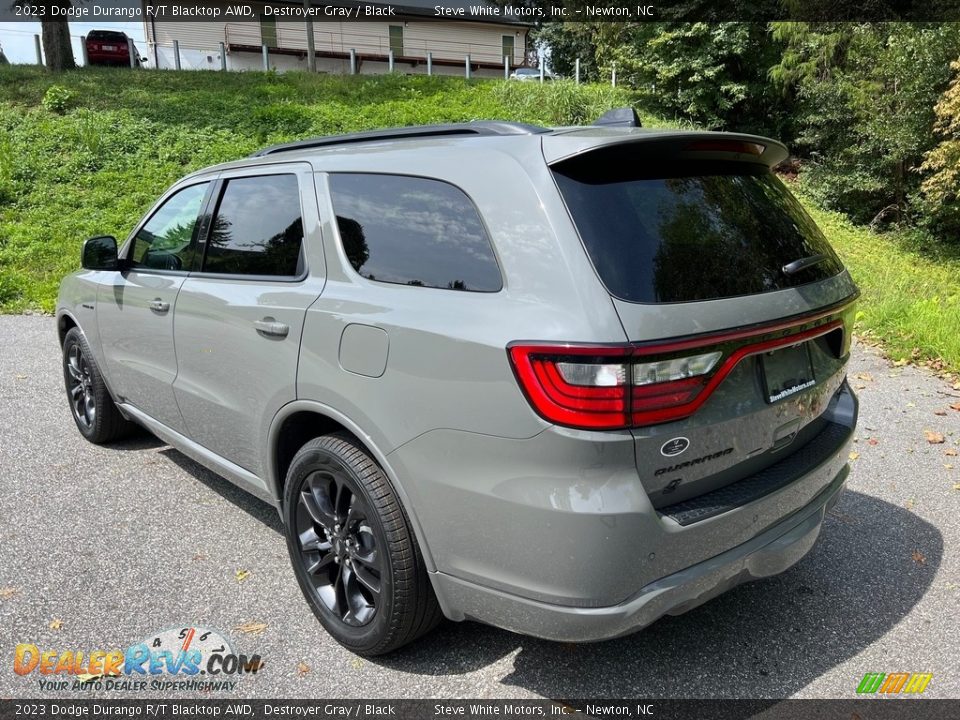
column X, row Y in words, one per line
column 396, row 40
column 268, row 31
column 507, row 47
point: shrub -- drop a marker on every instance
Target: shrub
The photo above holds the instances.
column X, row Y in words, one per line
column 56, row 99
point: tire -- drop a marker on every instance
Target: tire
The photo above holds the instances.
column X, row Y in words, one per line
column 355, row 557
column 93, row 410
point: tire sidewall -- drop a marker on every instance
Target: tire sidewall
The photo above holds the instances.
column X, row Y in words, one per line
column 75, row 338
column 367, row 638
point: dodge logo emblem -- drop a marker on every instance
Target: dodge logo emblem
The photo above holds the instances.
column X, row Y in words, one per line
column 674, row 447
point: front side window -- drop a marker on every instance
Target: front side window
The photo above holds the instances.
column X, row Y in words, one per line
column 167, row 241
column 413, row 231
column 257, row 228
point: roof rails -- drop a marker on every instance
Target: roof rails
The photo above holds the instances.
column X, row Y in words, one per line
column 477, row 128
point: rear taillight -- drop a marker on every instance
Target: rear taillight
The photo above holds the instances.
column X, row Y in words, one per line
column 604, row 388
column 611, row 387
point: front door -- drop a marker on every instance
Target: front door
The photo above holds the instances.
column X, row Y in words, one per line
column 135, row 306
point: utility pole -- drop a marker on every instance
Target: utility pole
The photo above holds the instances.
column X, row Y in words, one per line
column 311, row 49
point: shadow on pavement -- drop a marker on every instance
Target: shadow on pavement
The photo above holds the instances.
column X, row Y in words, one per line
column 769, row 638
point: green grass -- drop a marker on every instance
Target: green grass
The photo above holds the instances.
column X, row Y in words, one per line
column 87, row 152
column 910, row 302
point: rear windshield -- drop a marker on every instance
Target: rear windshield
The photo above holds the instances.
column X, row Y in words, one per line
column 106, row 35
column 690, row 230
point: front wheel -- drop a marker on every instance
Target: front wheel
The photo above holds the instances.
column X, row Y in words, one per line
column 93, row 410
column 352, row 549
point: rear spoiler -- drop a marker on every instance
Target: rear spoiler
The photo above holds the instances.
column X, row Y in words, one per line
column 693, row 144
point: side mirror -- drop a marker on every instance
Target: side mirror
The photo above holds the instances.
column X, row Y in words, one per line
column 100, row 253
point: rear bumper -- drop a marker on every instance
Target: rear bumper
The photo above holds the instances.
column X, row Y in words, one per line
column 769, row 553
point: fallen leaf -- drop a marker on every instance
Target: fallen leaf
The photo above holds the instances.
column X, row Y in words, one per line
column 303, row 668
column 854, row 455
column 199, row 556
column 242, row 575
column 941, row 413
column 950, row 451
column 357, row 663
column 948, row 466
column 956, row 386
column 872, row 441
column 251, row 628
column 956, row 486
column 21, row 377
column 865, row 376
column 909, row 504
column 56, row 624
column 919, row 557
column 955, row 406
column 900, row 363
column 7, row 592
column 934, row 438
column 859, row 387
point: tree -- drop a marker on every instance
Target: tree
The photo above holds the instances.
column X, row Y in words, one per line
column 941, row 166
column 865, row 94
column 54, row 34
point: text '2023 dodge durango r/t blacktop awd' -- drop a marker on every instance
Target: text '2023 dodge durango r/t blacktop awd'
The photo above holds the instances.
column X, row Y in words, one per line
column 562, row 381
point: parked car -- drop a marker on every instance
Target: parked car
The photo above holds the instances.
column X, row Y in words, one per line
column 109, row 47
column 559, row 381
column 532, row 75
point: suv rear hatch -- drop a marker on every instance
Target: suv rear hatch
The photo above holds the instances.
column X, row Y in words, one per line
column 738, row 310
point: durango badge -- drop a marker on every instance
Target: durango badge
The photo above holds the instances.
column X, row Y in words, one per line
column 674, row 447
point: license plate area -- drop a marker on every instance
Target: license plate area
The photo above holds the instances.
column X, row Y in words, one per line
column 786, row 372
column 109, row 47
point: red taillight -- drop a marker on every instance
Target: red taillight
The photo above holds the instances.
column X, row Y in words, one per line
column 612, row 387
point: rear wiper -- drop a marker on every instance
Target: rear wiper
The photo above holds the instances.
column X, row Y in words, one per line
column 796, row 266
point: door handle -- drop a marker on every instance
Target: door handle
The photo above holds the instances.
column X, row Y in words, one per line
column 159, row 306
column 271, row 328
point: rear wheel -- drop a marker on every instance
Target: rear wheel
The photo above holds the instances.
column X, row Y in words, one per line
column 93, row 410
column 352, row 549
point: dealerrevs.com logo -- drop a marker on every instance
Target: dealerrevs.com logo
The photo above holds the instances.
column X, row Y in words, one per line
column 182, row 658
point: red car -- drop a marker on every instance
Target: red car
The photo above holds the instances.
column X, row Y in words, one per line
column 109, row 47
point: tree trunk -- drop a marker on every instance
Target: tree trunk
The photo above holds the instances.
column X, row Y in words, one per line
column 57, row 50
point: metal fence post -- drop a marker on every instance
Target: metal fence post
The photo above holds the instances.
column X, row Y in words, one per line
column 576, row 70
column 223, row 56
column 429, row 63
column 353, row 61
column 133, row 58
column 83, row 50
column 176, row 54
column 266, row 57
column 506, row 67
column 542, row 70
column 390, row 60
column 613, row 76
column 36, row 43
column 467, row 71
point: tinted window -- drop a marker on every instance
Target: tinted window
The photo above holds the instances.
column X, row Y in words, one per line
column 413, row 231
column 257, row 228
column 167, row 241
column 107, row 35
column 695, row 232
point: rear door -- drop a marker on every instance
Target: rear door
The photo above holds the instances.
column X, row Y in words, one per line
column 739, row 307
column 135, row 306
column 239, row 319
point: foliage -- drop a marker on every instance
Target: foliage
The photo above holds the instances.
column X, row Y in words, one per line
column 941, row 186
column 865, row 97
column 56, row 99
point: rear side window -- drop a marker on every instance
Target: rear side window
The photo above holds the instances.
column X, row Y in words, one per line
column 413, row 231
column 691, row 231
column 257, row 228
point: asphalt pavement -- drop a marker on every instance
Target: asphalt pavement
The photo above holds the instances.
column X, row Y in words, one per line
column 101, row 547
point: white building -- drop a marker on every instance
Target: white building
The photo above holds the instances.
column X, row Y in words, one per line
column 411, row 34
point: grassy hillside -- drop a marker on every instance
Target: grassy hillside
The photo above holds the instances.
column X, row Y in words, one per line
column 87, row 152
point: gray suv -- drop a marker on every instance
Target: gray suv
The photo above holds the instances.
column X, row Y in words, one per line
column 562, row 381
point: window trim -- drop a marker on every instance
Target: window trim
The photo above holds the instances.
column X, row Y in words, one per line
column 213, row 205
column 352, row 273
column 198, row 232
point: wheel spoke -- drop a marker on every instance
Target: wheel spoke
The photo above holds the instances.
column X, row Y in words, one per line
column 321, row 562
column 368, row 558
column 370, row 581
column 311, row 540
column 76, row 390
column 320, row 515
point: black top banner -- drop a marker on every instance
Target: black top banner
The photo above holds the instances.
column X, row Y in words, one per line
column 526, row 12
